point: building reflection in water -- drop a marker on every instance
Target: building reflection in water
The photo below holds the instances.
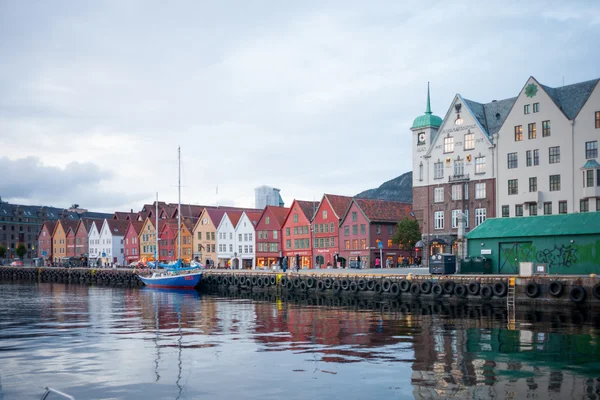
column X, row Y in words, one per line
column 454, row 351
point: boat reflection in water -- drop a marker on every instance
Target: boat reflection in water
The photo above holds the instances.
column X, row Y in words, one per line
column 158, row 343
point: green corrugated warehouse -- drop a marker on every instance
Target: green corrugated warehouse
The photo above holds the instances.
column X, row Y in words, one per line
column 565, row 243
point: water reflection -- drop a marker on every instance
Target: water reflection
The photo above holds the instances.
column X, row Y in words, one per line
column 154, row 344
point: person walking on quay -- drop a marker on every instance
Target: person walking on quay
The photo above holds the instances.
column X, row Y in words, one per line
column 297, row 262
column 377, row 263
column 284, row 264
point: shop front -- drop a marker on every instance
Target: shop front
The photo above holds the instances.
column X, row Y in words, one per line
column 324, row 258
column 359, row 259
column 265, row 262
column 301, row 257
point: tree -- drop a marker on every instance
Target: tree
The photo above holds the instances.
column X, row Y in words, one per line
column 2, row 251
column 21, row 250
column 407, row 234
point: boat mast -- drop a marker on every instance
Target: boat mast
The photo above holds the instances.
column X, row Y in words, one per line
column 179, row 204
column 156, row 230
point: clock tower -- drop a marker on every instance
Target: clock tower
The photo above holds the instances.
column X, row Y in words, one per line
column 424, row 129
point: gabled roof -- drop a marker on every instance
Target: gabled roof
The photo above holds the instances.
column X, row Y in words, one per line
column 117, row 227
column 98, row 224
column 124, row 215
column 170, row 223
column 490, row 115
column 66, row 225
column 50, row 225
column 571, row 98
column 383, row 210
column 136, row 226
column 308, row 208
column 189, row 211
column 234, row 217
column 84, row 223
column 279, row 213
column 253, row 216
column 339, row 204
column 542, row 225
column 189, row 223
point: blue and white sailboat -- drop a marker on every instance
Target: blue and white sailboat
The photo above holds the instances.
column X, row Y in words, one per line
column 175, row 275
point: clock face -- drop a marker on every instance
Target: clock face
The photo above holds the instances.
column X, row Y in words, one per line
column 421, row 138
column 205, row 221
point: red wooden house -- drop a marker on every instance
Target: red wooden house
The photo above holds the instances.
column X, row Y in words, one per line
column 70, row 238
column 45, row 246
column 325, row 226
column 167, row 233
column 297, row 235
column 82, row 244
column 268, row 235
column 368, row 222
column 131, row 243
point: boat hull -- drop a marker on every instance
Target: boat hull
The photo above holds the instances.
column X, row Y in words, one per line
column 188, row 281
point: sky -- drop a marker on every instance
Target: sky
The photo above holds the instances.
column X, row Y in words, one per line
column 310, row 97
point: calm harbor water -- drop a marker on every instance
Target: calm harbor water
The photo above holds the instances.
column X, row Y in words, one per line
column 96, row 342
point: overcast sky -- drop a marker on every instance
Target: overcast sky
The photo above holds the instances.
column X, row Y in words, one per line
column 307, row 96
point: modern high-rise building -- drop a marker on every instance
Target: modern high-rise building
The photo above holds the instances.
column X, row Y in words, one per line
column 267, row 196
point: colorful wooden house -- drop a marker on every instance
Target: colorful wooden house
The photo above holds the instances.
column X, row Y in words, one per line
column 45, row 243
column 132, row 242
column 297, row 234
column 325, row 226
column 268, row 236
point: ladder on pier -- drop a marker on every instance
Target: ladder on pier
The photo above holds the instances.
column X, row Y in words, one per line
column 510, row 303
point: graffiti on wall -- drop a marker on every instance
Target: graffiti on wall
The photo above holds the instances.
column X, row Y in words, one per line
column 563, row 256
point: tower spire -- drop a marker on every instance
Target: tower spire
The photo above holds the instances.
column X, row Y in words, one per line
column 428, row 109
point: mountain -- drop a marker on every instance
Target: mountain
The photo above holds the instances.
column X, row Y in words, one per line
column 397, row 189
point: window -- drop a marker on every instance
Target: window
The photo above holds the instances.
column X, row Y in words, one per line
column 466, row 191
column 480, row 190
column 519, row 210
column 459, row 168
column 548, row 208
column 532, row 209
column 512, row 160
column 469, row 141
column 554, row 154
column 287, row 231
column 518, row 133
column 528, row 158
column 545, row 128
column 331, row 228
column 438, row 195
column 267, row 220
column 457, row 192
column 526, row 109
column 480, row 214
column 455, row 218
column 505, row 211
column 363, row 229
column 295, row 217
column 533, row 184
column 536, row 157
column 305, row 229
column 324, row 214
column 390, row 230
column 378, row 228
column 562, row 207
column 513, row 186
column 532, row 131
column 438, row 170
column 588, row 177
column 288, row 244
column 583, row 205
column 239, row 237
column 353, row 216
column 296, row 230
column 439, row 220
column 448, row 144
column 536, row 107
column 591, row 149
column 554, row 183
column 597, row 119
column 346, row 230
column 355, row 229
column 480, row 165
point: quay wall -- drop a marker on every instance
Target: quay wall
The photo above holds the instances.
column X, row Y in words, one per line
column 85, row 276
column 565, row 289
column 550, row 290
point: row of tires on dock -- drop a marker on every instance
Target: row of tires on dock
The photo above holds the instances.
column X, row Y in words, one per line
column 395, row 287
column 97, row 277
